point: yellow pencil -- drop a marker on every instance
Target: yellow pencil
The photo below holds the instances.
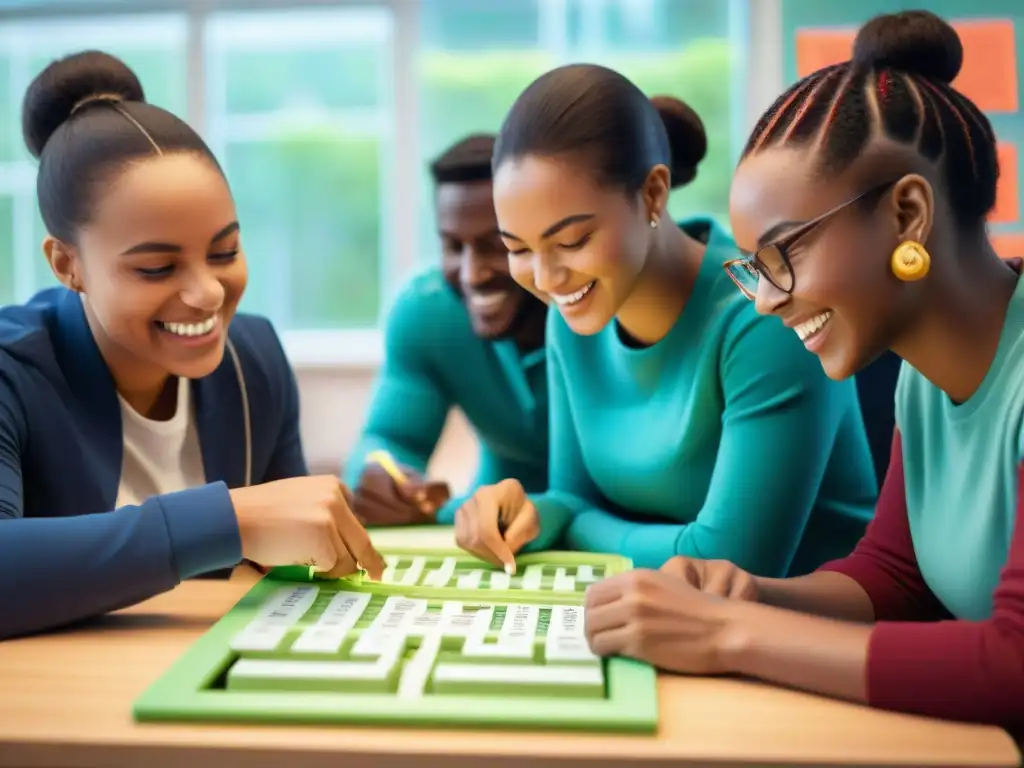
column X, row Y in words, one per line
column 386, row 461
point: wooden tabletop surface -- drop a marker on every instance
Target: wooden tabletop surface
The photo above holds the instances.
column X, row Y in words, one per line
column 66, row 701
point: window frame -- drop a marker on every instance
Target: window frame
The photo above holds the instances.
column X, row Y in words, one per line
column 754, row 26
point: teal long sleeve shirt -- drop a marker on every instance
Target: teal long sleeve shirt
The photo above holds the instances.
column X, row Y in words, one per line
column 434, row 362
column 724, row 440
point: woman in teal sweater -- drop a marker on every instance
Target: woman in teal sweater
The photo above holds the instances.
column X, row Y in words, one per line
column 862, row 197
column 668, row 391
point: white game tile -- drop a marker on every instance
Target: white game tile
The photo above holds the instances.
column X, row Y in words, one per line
column 388, row 631
column 413, row 574
column 515, row 639
column 563, row 581
column 532, row 577
column 500, row 580
column 566, row 639
column 417, row 670
column 338, row 619
column 521, row 674
column 470, row 580
column 279, row 613
column 299, row 669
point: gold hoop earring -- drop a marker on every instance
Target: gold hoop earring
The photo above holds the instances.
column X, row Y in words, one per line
column 910, row 261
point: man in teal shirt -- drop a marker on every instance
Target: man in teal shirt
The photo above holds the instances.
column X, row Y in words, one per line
column 464, row 336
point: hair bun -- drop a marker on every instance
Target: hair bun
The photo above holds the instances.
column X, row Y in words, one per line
column 916, row 42
column 687, row 141
column 56, row 92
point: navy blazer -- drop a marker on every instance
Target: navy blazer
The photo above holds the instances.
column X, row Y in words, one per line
column 65, row 553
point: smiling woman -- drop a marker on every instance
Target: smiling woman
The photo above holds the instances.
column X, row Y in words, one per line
column 667, row 392
column 926, row 615
column 115, row 389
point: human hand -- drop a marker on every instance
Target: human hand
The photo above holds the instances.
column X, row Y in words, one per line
column 307, row 521
column 661, row 619
column 496, row 522
column 715, row 577
column 381, row 500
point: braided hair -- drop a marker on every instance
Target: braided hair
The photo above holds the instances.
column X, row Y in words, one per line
column 905, row 64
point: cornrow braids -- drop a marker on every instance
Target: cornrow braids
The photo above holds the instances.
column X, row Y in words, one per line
column 904, row 63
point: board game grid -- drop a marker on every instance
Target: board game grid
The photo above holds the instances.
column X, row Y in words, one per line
column 443, row 640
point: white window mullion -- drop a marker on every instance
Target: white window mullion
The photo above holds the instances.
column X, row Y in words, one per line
column 553, row 28
column 760, row 68
column 195, row 67
column 400, row 196
column 26, row 249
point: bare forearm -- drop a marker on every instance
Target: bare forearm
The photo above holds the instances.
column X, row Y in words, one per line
column 825, row 593
column 815, row 654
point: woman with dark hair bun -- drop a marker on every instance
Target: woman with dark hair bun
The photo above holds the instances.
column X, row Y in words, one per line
column 862, row 199
column 663, row 382
column 134, row 452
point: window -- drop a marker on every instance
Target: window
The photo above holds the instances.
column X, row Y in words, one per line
column 990, row 32
column 485, row 58
column 326, row 114
column 298, row 110
column 154, row 46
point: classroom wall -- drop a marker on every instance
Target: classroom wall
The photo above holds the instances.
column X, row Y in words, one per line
column 334, row 401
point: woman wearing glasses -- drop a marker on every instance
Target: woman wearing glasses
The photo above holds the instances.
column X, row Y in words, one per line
column 666, row 388
column 863, row 195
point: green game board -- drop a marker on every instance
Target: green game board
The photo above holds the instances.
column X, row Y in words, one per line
column 442, row 640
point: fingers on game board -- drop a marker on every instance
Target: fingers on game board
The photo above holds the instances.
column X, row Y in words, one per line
column 476, row 528
column 355, row 540
column 490, row 546
column 344, row 563
column 523, row 528
column 603, row 591
column 369, row 559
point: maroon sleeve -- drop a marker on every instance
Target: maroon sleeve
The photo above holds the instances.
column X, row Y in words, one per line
column 960, row 670
column 957, row 670
column 884, row 563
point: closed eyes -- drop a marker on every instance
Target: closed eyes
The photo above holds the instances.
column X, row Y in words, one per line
column 574, row 246
column 153, row 273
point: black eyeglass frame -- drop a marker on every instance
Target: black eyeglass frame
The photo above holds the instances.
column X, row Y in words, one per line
column 753, row 262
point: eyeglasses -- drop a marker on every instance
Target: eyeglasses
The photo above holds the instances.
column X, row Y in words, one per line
column 772, row 262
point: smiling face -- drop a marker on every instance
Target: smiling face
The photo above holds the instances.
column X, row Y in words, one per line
column 846, row 304
column 475, row 261
column 161, row 268
column 569, row 240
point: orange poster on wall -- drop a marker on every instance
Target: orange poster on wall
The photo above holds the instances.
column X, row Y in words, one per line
column 988, row 76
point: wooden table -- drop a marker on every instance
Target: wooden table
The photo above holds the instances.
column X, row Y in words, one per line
column 65, row 700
